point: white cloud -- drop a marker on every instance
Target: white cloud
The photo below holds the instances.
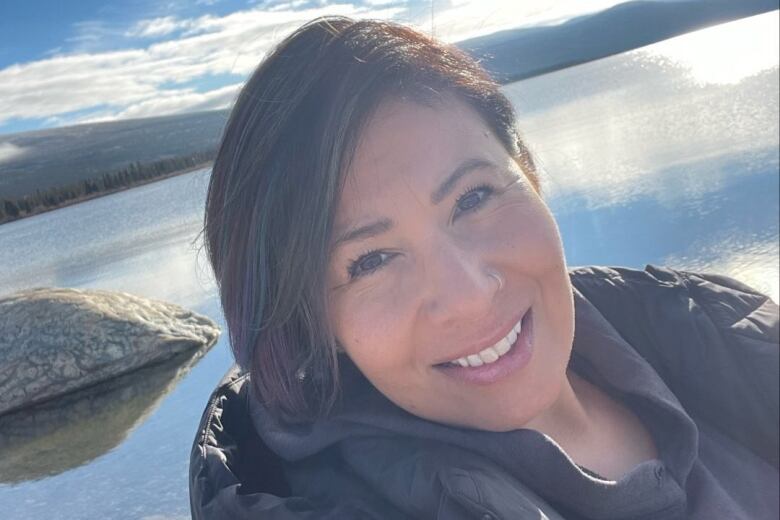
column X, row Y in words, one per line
column 172, row 102
column 143, row 80
column 157, row 27
column 136, row 82
column 64, row 84
column 376, row 3
column 287, row 6
column 10, row 151
column 93, row 36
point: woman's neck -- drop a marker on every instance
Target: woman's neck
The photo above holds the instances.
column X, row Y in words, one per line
column 570, row 417
column 594, row 430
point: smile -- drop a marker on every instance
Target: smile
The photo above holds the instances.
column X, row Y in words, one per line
column 492, row 353
column 510, row 353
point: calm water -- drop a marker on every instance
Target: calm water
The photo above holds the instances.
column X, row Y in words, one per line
column 654, row 156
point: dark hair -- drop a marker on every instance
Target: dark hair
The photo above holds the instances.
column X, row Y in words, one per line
column 277, row 178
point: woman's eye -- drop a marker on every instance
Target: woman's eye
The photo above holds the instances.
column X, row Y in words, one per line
column 472, row 199
column 368, row 263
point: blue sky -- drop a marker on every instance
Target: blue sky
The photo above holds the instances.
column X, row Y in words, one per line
column 37, row 29
column 69, row 62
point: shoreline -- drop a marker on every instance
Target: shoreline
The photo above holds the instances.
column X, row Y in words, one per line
column 83, row 198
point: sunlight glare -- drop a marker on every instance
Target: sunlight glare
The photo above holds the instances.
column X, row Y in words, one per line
column 728, row 53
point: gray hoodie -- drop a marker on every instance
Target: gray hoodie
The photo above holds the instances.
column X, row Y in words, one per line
column 694, row 356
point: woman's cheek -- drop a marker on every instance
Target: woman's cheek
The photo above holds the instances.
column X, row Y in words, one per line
column 540, row 242
column 520, row 229
column 369, row 321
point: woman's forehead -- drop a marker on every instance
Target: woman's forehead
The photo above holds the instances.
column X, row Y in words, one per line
column 407, row 146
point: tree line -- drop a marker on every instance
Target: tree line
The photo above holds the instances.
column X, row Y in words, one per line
column 127, row 177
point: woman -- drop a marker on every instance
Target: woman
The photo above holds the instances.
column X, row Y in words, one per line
column 396, row 292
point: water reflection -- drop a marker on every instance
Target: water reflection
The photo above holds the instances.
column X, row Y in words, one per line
column 142, row 241
column 646, row 157
column 72, row 430
column 727, row 53
column 130, row 446
column 612, row 147
column 750, row 259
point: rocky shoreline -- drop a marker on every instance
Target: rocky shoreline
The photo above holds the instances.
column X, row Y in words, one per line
column 54, row 341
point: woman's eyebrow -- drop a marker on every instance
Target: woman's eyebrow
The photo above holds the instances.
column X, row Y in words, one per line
column 466, row 167
column 361, row 233
column 382, row 225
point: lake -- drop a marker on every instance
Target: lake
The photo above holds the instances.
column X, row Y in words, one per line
column 665, row 155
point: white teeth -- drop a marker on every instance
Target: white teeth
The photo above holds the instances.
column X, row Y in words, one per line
column 475, row 361
column 503, row 346
column 491, row 354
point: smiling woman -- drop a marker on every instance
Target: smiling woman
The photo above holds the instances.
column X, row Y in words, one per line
column 404, row 321
column 451, row 199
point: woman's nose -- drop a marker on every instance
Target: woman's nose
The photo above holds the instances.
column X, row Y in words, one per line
column 458, row 285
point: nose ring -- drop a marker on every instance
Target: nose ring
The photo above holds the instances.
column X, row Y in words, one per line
column 497, row 278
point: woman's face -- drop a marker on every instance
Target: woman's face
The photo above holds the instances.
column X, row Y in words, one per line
column 442, row 250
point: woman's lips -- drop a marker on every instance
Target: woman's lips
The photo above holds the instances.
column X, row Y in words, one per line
column 517, row 357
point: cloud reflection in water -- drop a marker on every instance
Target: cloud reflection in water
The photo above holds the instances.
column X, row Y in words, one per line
column 646, row 157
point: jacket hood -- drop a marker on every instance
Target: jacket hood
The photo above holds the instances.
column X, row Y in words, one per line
column 370, row 456
column 365, row 412
column 367, row 423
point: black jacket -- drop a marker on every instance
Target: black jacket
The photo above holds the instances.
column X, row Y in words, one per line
column 712, row 341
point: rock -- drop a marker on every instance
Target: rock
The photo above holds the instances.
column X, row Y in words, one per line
column 71, row 430
column 54, row 341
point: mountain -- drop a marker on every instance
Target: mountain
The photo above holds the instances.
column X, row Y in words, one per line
column 59, row 156
column 521, row 53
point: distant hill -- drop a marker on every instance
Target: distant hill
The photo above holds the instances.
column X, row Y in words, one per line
column 56, row 157
column 516, row 54
column 59, row 156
